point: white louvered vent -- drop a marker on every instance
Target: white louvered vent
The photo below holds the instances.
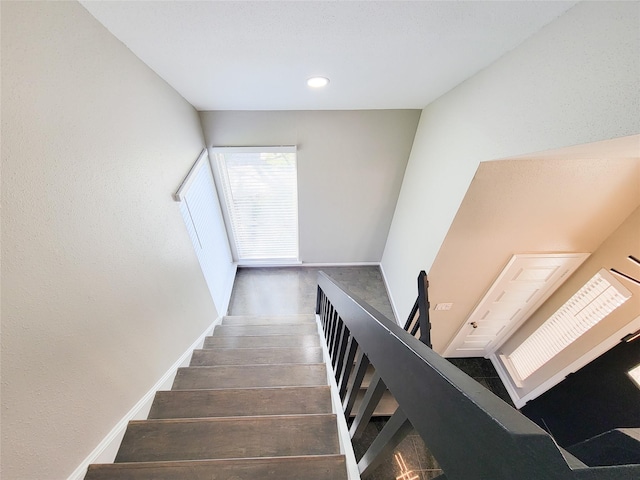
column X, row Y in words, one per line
column 261, row 193
column 593, row 302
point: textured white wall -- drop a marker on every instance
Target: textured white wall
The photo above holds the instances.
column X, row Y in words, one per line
column 350, row 167
column 101, row 289
column 576, row 81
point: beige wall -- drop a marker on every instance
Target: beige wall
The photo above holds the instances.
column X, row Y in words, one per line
column 576, row 81
column 101, row 289
column 611, row 254
column 350, row 167
column 573, row 200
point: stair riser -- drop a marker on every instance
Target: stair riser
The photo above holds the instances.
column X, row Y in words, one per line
column 169, row 440
column 276, row 320
column 270, row 341
column 212, row 357
column 330, row 467
column 242, row 402
column 193, row 378
column 253, row 330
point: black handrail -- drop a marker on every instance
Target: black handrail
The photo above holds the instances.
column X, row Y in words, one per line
column 472, row 433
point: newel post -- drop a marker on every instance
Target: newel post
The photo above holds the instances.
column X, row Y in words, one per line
column 423, row 305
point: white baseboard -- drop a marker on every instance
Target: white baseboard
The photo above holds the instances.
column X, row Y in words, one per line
column 504, row 375
column 106, row 450
column 310, row 264
column 393, row 304
column 346, row 447
column 339, row 264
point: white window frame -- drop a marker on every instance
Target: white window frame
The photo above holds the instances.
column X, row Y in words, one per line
column 224, row 188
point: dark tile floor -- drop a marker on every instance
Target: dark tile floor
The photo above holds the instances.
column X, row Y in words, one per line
column 410, row 460
column 483, row 372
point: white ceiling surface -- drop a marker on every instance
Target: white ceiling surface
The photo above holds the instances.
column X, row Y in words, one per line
column 238, row 55
column 567, row 200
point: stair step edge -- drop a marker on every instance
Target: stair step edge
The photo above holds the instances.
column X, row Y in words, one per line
column 323, row 467
column 243, row 418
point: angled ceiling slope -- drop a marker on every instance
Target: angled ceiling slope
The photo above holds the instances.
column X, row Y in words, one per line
column 225, row 55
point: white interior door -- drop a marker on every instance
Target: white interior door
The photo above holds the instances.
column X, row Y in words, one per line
column 524, row 284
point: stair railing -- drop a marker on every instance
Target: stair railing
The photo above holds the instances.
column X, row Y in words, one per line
column 418, row 324
column 471, row 432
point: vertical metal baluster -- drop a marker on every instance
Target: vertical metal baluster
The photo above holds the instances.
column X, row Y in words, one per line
column 362, row 363
column 369, row 403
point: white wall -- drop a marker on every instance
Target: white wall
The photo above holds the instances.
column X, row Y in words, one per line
column 101, row 288
column 576, row 81
column 350, row 167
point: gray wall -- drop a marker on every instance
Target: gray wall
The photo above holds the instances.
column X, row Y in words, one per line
column 101, row 289
column 576, row 81
column 350, row 167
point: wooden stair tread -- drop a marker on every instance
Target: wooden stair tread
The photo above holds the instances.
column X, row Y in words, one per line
column 247, row 376
column 255, row 356
column 229, row 437
column 238, row 402
column 387, row 405
column 262, row 341
column 309, row 467
column 269, row 320
column 280, row 329
column 366, row 381
column 385, row 408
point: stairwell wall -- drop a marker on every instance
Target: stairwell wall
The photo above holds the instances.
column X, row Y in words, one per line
column 576, row 81
column 101, row 288
column 350, row 168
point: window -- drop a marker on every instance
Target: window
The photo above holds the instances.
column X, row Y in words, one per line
column 261, row 194
column 591, row 304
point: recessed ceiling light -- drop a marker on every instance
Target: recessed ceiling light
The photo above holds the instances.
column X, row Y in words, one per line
column 318, row 82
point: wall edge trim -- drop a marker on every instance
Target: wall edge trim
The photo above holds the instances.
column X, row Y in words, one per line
column 391, row 300
column 116, row 433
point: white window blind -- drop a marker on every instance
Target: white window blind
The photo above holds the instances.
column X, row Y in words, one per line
column 261, row 193
column 592, row 303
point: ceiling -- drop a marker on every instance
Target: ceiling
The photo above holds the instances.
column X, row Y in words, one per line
column 257, row 55
column 567, row 200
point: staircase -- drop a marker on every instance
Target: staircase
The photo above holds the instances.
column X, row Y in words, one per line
column 253, row 404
